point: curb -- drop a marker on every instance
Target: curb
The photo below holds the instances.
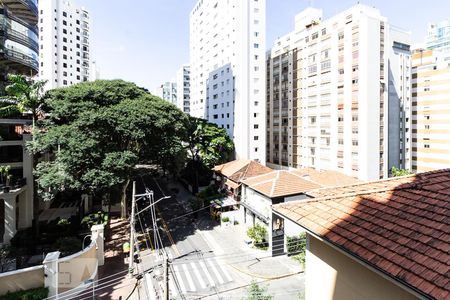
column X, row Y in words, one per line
column 263, row 276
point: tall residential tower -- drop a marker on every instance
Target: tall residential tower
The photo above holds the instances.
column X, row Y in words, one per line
column 227, row 60
column 183, row 88
column 338, row 93
column 64, row 43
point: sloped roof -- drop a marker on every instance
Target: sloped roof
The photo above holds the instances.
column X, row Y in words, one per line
column 327, row 178
column 280, row 183
column 238, row 170
column 399, row 226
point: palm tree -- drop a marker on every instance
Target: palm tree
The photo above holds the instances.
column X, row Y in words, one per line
column 23, row 96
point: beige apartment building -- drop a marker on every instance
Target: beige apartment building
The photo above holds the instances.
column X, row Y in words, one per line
column 431, row 110
column 333, row 87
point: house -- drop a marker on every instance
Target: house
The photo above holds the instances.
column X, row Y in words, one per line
column 229, row 176
column 16, row 187
column 386, row 239
column 259, row 193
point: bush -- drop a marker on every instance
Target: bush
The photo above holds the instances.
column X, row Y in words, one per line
column 97, row 218
column 33, row 294
column 225, row 219
column 236, row 223
column 255, row 292
column 296, row 246
column 258, row 234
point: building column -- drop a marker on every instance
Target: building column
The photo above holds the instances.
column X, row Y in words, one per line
column 51, row 270
column 98, row 235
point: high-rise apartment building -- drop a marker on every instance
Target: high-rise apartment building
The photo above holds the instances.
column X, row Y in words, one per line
column 338, row 94
column 167, row 91
column 18, row 39
column 438, row 37
column 183, row 88
column 64, row 43
column 431, row 105
column 227, row 60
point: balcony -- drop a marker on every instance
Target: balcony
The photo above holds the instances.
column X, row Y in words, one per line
column 17, row 36
column 26, row 10
column 19, row 61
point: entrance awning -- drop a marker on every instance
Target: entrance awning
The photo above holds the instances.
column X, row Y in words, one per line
column 223, row 202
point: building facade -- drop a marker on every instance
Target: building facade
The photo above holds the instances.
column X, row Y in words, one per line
column 227, row 51
column 438, row 37
column 184, row 88
column 167, row 91
column 431, row 110
column 333, row 87
column 64, row 43
column 18, row 39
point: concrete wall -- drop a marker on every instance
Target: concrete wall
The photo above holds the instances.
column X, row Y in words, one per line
column 74, row 270
column 23, row 279
column 333, row 275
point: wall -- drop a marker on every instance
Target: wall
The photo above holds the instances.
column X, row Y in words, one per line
column 77, row 268
column 333, row 275
column 23, row 279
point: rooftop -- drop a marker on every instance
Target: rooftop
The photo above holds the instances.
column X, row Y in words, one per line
column 399, row 226
column 280, row 183
column 238, row 170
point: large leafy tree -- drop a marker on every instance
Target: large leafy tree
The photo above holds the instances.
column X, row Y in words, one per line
column 99, row 131
column 207, row 144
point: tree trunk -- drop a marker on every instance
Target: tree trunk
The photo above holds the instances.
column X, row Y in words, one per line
column 123, row 200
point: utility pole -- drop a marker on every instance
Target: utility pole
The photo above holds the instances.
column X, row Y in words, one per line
column 166, row 277
column 133, row 204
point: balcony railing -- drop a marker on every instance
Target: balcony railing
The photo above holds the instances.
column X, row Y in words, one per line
column 21, row 58
column 17, row 36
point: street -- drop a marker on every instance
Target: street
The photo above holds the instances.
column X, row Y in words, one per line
column 207, row 261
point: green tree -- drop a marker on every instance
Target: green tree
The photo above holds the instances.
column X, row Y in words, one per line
column 23, row 95
column 396, row 172
column 255, row 292
column 207, row 145
column 258, row 234
column 99, row 131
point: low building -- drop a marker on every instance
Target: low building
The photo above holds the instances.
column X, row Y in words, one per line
column 259, row 193
column 16, row 185
column 387, row 239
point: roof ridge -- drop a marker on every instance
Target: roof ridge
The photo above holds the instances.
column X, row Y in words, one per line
column 254, row 177
column 306, row 179
column 272, row 189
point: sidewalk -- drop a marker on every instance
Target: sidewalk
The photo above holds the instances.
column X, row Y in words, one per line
column 113, row 280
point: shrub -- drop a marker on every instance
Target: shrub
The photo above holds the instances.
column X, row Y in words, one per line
column 33, row 294
column 225, row 219
column 296, row 246
column 258, row 234
column 255, row 292
column 97, row 218
column 236, row 222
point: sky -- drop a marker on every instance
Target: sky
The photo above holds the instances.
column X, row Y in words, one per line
column 146, row 41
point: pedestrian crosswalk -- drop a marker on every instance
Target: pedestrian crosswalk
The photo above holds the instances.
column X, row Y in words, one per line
column 196, row 276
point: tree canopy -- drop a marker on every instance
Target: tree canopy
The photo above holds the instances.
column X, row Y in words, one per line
column 396, row 172
column 98, row 131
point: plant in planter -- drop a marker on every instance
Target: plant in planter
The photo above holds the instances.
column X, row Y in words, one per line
column 5, row 177
column 225, row 219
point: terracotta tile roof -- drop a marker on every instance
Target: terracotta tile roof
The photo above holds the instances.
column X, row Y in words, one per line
column 399, row 226
column 280, row 183
column 326, row 178
column 238, row 170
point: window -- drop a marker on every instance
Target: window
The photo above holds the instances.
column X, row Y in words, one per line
column 256, row 57
column 64, row 14
column 216, row 116
column 324, row 31
column 255, row 138
column 256, row 33
column 255, row 126
column 256, row 45
column 426, row 146
column 64, row 22
column 256, row 149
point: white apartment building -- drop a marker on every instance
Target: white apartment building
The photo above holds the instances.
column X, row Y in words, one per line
column 64, row 32
column 167, row 91
column 338, row 94
column 227, row 60
column 183, row 88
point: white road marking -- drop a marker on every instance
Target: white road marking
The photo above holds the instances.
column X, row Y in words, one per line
column 198, row 275
column 189, row 278
column 216, row 273
column 224, row 270
column 205, row 270
column 179, row 279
